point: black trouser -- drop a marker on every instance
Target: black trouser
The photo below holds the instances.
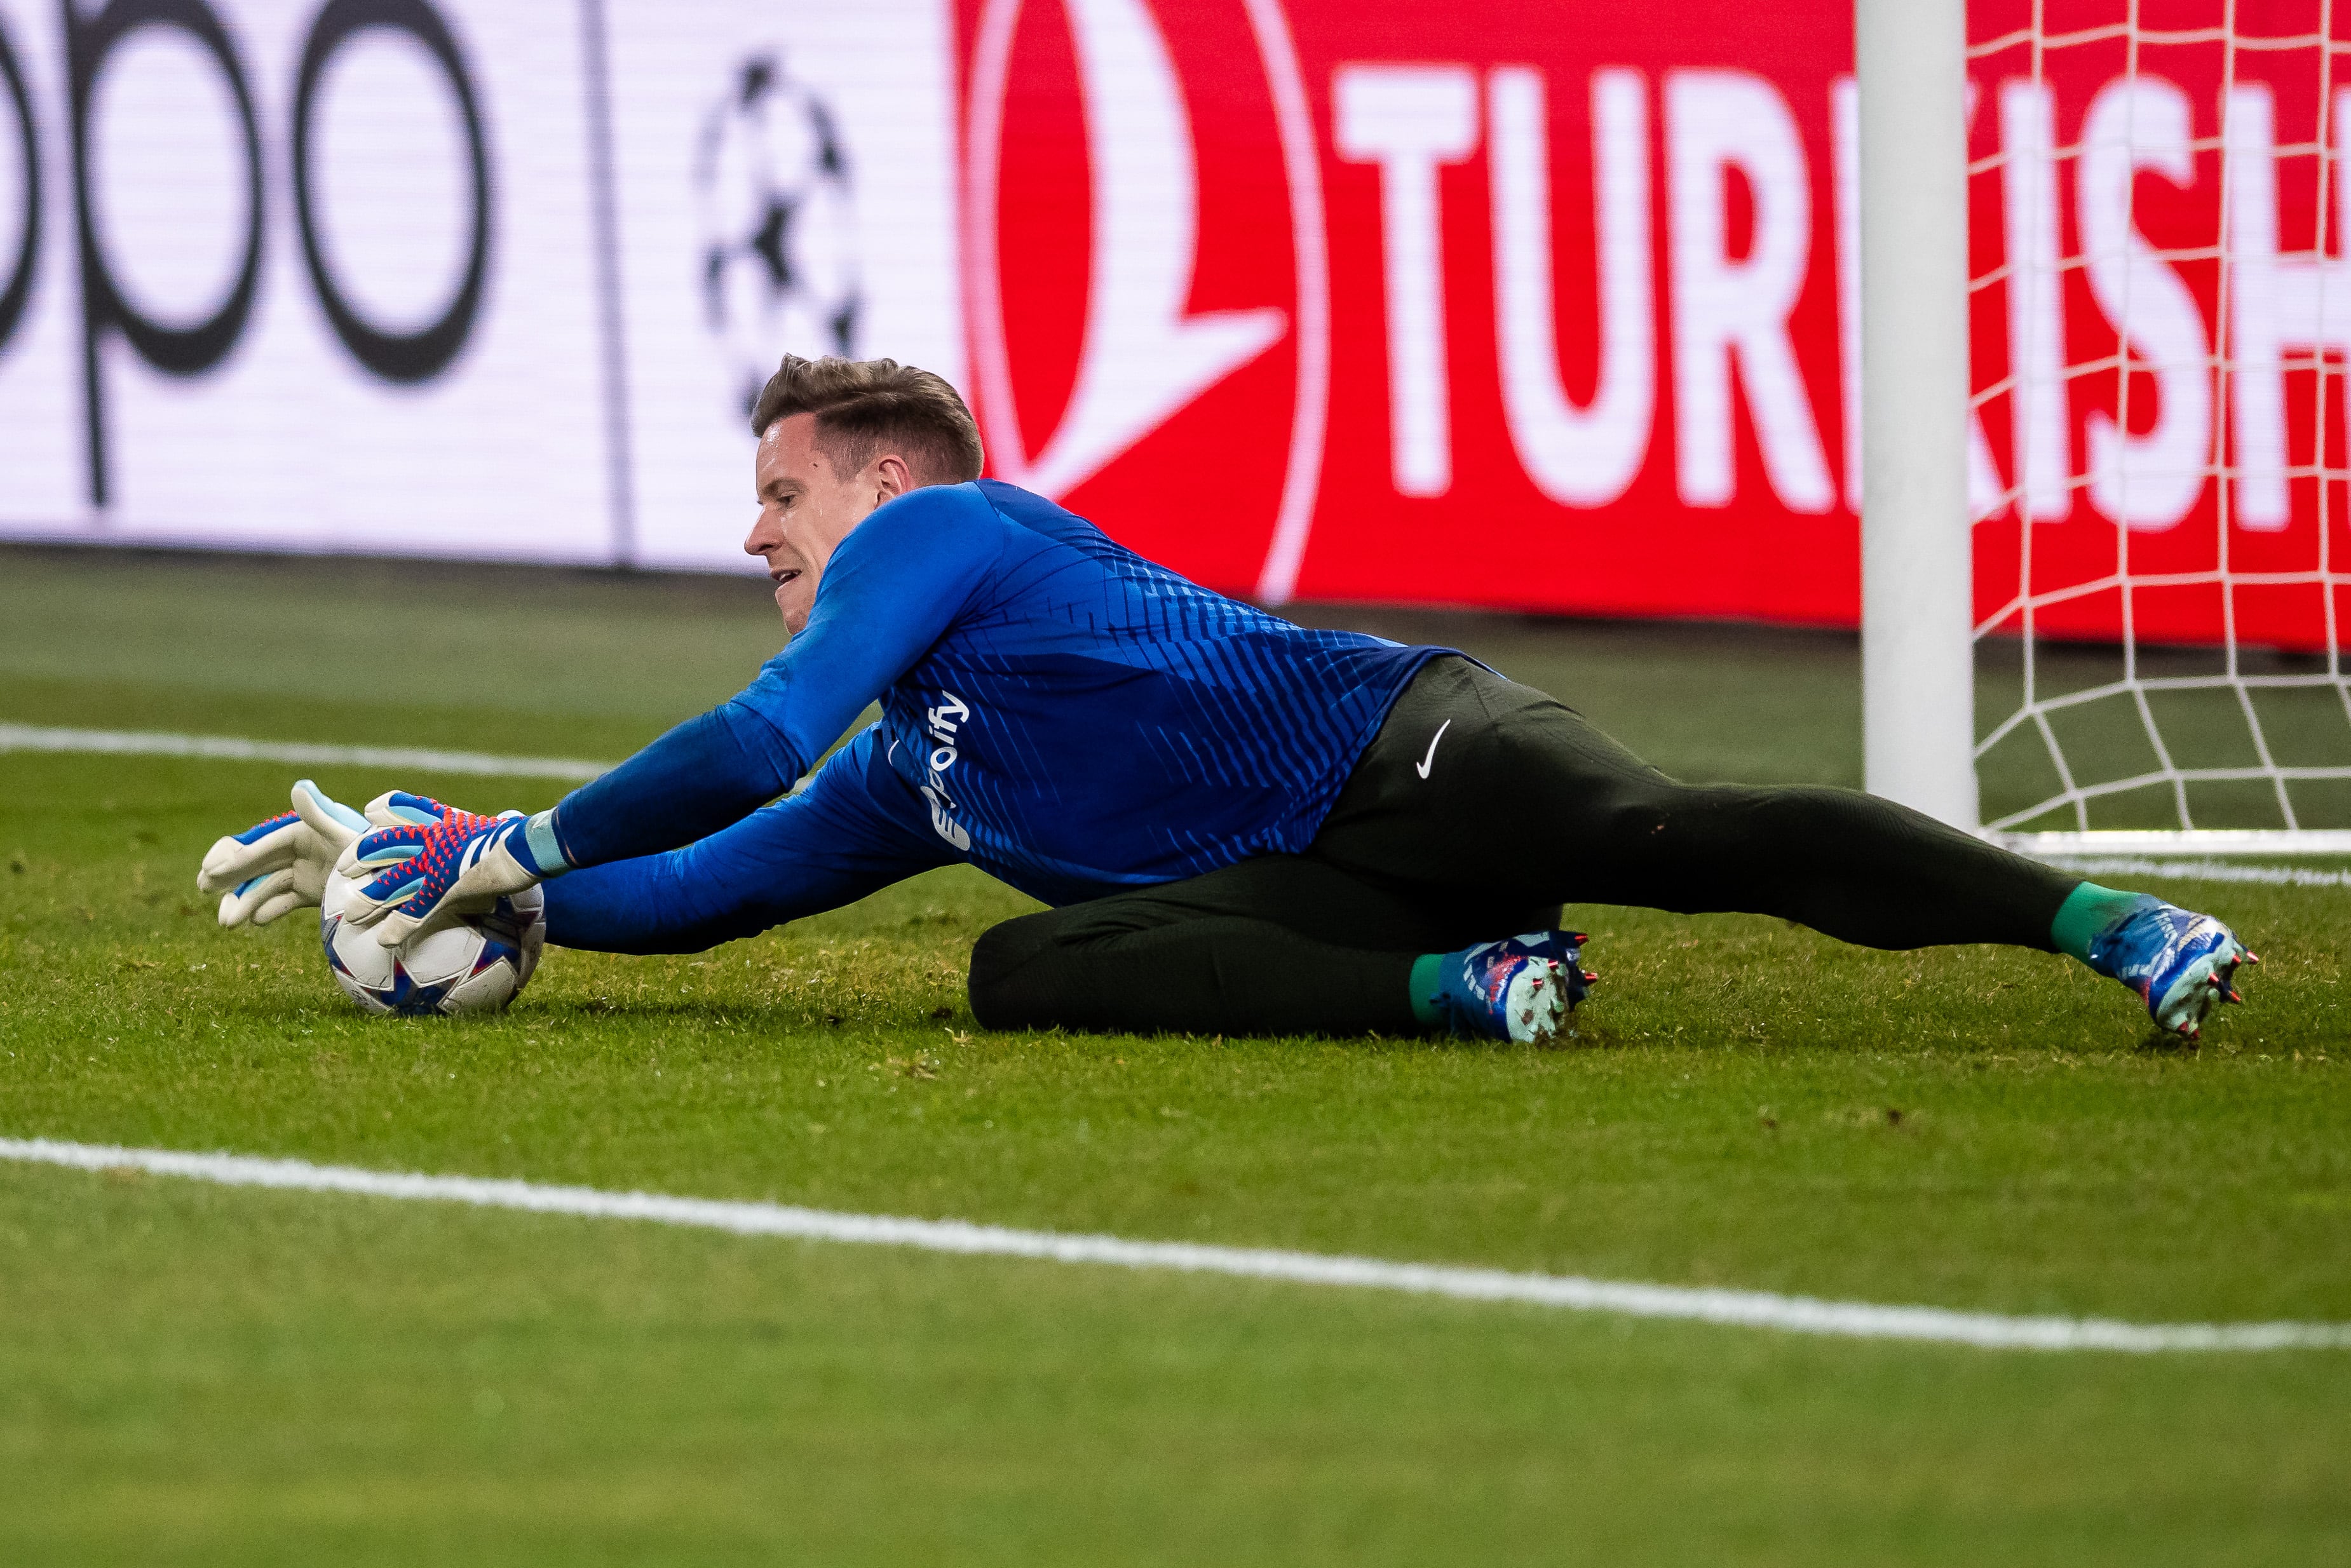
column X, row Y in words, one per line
column 1524, row 806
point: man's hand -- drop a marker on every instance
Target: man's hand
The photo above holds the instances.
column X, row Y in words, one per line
column 431, row 874
column 276, row 867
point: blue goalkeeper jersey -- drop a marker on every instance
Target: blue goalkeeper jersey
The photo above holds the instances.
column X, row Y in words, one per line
column 1055, row 709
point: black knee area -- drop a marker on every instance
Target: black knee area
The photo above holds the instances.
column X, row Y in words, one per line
column 1646, row 839
column 1002, row 964
column 1688, row 846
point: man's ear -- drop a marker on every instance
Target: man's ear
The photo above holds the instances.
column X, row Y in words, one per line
column 892, row 477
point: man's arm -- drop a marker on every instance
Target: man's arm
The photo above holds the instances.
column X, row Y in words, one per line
column 855, row 829
column 891, row 589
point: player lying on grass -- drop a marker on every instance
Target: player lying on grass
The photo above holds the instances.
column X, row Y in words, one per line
column 1242, row 826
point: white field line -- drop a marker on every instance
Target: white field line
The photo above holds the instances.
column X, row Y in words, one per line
column 2200, row 871
column 2174, row 843
column 1744, row 1309
column 301, row 754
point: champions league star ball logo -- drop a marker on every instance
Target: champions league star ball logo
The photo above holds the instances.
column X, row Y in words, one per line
column 780, row 259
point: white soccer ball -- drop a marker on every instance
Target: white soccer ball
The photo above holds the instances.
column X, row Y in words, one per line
column 478, row 965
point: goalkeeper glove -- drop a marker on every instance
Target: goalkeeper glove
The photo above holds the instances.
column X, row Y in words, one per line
column 431, row 874
column 276, row 867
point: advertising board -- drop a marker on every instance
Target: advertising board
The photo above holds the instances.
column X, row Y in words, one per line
column 1490, row 304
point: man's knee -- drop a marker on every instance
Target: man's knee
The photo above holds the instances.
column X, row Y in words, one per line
column 1002, row 983
column 1642, row 819
column 1711, row 820
column 1670, row 846
column 1712, row 831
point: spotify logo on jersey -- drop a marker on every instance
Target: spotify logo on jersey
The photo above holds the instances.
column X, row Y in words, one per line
column 171, row 203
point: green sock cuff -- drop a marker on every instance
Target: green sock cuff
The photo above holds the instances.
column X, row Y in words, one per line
column 2088, row 911
column 1427, row 975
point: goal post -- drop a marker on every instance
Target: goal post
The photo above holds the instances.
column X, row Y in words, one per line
column 1917, row 653
column 2149, row 458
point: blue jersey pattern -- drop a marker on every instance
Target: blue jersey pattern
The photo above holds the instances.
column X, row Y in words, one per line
column 1090, row 720
column 1057, row 710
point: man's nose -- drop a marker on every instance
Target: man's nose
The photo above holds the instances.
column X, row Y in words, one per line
column 760, row 540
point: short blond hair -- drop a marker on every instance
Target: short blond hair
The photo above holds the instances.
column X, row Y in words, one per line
column 864, row 406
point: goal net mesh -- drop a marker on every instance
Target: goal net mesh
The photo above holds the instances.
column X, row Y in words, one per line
column 2160, row 312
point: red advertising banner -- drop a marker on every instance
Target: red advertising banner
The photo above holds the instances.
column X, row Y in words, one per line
column 1504, row 306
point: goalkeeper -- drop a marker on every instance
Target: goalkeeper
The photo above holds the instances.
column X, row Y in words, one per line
column 1242, row 826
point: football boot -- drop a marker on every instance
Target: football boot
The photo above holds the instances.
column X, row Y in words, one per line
column 1520, row 987
column 2182, row 964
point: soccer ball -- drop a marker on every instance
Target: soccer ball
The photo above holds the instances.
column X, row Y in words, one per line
column 779, row 229
column 478, row 965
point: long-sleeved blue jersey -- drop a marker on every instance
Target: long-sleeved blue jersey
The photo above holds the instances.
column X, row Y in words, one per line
column 1056, row 710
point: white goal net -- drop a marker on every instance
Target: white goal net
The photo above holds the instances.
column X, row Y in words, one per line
column 2159, row 315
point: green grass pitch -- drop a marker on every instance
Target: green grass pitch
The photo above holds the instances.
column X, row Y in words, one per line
column 190, row 1375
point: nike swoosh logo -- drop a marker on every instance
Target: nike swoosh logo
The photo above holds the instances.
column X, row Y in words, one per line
column 1421, row 767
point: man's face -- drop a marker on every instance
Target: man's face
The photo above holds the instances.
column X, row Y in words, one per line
column 807, row 506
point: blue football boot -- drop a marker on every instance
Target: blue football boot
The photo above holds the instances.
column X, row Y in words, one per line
column 2181, row 963
column 1520, row 988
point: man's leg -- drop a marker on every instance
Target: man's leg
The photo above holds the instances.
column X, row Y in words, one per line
column 1481, row 806
column 1282, row 945
column 1475, row 783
